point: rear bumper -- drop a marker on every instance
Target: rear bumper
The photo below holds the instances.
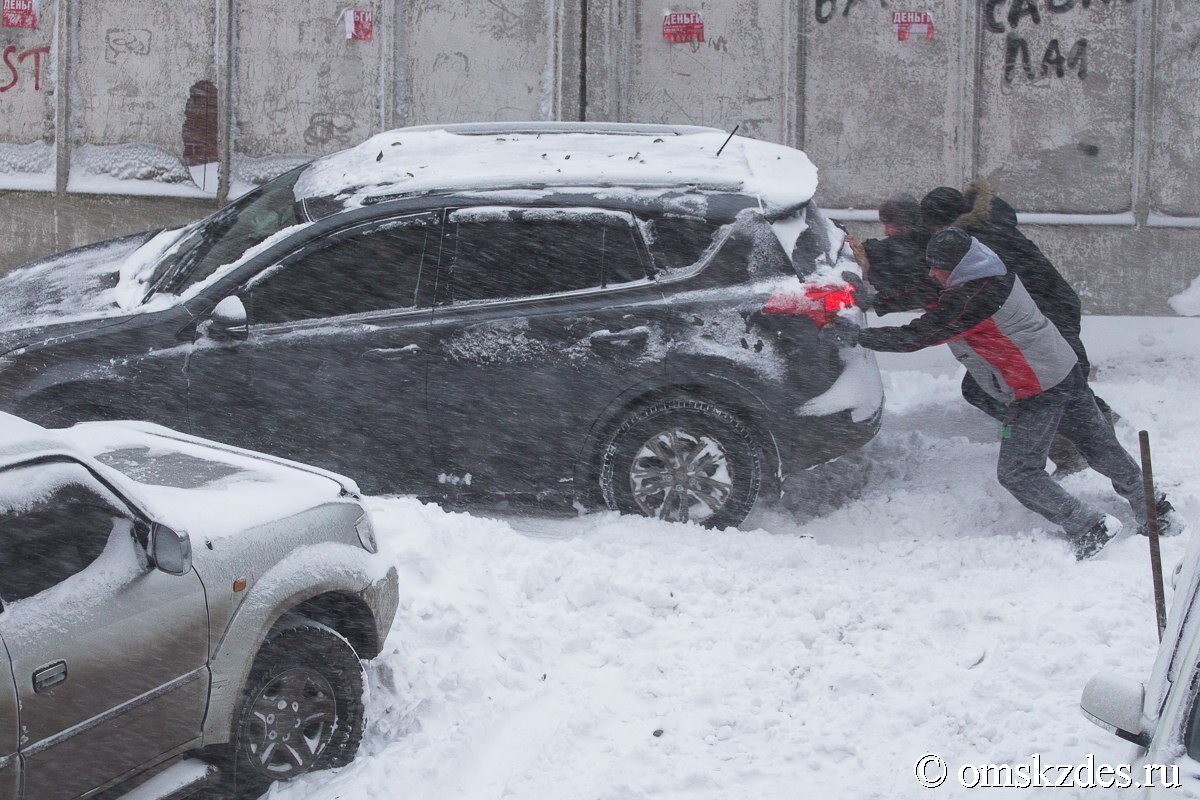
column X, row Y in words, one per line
column 807, row 441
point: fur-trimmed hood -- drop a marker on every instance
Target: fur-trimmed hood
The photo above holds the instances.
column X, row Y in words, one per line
column 981, row 208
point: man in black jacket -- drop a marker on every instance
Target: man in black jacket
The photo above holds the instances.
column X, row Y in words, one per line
column 1015, row 354
column 895, row 265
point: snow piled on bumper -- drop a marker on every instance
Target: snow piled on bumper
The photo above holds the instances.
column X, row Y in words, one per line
column 859, row 389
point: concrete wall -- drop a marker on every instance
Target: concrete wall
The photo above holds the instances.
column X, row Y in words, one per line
column 1083, row 112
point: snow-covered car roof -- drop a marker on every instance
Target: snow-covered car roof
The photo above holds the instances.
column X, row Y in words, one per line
column 541, row 155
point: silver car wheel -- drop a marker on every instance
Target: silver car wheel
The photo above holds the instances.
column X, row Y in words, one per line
column 290, row 722
column 681, row 476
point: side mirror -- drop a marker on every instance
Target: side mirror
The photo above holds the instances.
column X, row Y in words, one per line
column 1115, row 704
column 170, row 550
column 228, row 320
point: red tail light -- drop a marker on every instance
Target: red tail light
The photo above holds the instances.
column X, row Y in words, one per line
column 821, row 304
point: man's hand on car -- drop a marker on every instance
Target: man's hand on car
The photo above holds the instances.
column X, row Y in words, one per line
column 841, row 333
column 860, row 254
column 864, row 297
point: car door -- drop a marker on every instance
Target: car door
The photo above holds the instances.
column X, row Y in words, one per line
column 10, row 762
column 332, row 371
column 109, row 655
column 543, row 316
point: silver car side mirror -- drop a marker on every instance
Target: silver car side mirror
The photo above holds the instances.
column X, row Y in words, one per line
column 228, row 320
column 1115, row 704
column 170, row 550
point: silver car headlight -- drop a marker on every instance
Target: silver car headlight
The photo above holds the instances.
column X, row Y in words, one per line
column 366, row 533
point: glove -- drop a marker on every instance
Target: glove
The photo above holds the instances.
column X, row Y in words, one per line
column 840, row 333
column 860, row 254
column 864, row 298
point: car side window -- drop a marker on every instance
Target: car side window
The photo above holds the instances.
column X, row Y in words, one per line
column 375, row 270
column 677, row 241
column 1191, row 732
column 521, row 258
column 622, row 263
column 55, row 520
column 513, row 253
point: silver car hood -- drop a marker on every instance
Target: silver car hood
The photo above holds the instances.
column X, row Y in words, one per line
column 209, row 489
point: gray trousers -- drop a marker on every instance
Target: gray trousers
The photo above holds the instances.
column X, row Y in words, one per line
column 1070, row 410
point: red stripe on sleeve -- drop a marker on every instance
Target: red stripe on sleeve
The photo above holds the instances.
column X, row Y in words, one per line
column 999, row 351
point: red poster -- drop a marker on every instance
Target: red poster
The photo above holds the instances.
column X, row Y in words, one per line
column 18, row 14
column 909, row 23
column 359, row 24
column 687, row 26
column 364, row 25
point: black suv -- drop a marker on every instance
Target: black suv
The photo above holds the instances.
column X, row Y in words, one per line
column 433, row 328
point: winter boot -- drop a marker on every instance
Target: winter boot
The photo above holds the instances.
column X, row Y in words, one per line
column 1170, row 523
column 1096, row 537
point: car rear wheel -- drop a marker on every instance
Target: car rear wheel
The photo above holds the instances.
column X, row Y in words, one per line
column 683, row 460
column 302, row 709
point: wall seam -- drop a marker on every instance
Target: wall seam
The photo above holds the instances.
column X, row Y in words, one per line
column 1143, row 109
column 64, row 18
column 225, row 51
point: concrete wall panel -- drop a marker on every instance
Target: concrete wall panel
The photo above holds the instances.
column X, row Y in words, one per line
column 881, row 114
column 737, row 76
column 302, row 87
column 1175, row 151
column 1054, row 142
column 470, row 62
column 137, row 61
column 27, row 105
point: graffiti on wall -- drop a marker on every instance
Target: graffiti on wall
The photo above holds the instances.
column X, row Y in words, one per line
column 125, row 42
column 1013, row 19
column 14, row 60
column 325, row 127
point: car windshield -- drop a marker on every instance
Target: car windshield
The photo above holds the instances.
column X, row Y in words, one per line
column 222, row 237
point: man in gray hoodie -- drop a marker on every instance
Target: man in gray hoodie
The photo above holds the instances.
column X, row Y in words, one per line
column 1019, row 357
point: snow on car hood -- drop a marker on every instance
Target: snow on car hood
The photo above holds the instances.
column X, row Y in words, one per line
column 86, row 283
column 202, row 487
column 411, row 161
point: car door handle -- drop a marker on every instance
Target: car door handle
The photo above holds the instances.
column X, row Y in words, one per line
column 627, row 336
column 49, row 676
column 391, row 353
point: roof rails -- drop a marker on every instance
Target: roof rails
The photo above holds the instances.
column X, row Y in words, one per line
column 602, row 128
column 375, row 199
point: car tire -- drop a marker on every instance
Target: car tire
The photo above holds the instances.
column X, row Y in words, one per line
column 683, row 459
column 316, row 675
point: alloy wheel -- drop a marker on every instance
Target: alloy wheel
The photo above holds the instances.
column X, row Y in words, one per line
column 681, row 476
column 291, row 721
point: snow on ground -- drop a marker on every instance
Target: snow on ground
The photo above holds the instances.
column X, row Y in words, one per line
column 913, row 608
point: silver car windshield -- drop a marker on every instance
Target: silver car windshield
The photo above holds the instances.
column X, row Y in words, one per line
column 176, row 470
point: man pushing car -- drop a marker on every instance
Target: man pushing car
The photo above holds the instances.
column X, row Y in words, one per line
column 1016, row 354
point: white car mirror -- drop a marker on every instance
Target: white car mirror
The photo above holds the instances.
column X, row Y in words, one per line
column 1115, row 704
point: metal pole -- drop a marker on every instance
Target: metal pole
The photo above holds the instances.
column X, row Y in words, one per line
column 1160, row 603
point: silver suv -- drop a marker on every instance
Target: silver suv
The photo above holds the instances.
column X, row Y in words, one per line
column 177, row 613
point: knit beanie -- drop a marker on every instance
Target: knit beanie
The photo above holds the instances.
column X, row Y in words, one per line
column 943, row 205
column 947, row 248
